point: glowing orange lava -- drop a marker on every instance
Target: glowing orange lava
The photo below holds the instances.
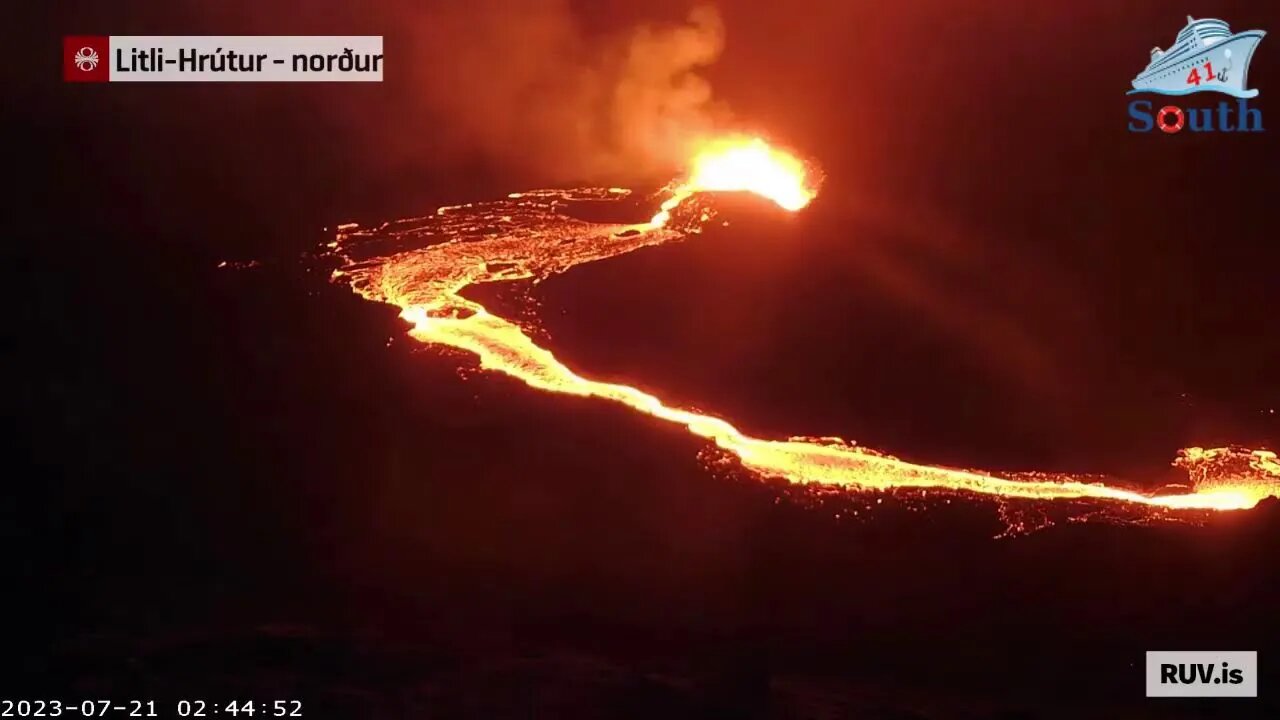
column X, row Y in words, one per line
column 742, row 165
column 529, row 236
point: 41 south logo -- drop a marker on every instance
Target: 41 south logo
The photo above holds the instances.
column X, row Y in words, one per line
column 1205, row 57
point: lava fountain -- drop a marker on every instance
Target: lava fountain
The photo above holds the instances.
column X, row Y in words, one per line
column 743, row 165
column 528, row 236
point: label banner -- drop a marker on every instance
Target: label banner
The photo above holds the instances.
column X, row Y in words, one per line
column 222, row 58
column 1201, row 673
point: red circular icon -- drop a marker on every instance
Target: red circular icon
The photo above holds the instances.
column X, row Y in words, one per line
column 1176, row 125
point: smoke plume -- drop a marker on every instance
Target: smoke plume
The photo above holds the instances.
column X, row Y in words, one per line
column 521, row 82
column 552, row 90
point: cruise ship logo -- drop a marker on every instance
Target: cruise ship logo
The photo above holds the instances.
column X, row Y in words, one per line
column 1205, row 57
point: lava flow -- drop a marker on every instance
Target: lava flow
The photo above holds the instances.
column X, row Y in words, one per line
column 422, row 265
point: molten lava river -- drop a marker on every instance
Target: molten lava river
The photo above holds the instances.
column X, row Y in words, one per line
column 422, row 265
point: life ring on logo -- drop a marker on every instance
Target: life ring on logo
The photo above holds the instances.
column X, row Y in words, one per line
column 1176, row 112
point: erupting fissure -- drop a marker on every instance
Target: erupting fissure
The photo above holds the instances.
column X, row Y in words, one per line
column 422, row 265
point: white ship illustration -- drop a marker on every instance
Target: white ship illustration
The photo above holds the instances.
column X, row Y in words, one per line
column 1205, row 57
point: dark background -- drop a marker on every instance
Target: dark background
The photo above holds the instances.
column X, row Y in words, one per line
column 248, row 484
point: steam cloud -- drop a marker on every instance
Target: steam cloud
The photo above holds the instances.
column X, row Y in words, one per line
column 524, row 84
column 557, row 90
